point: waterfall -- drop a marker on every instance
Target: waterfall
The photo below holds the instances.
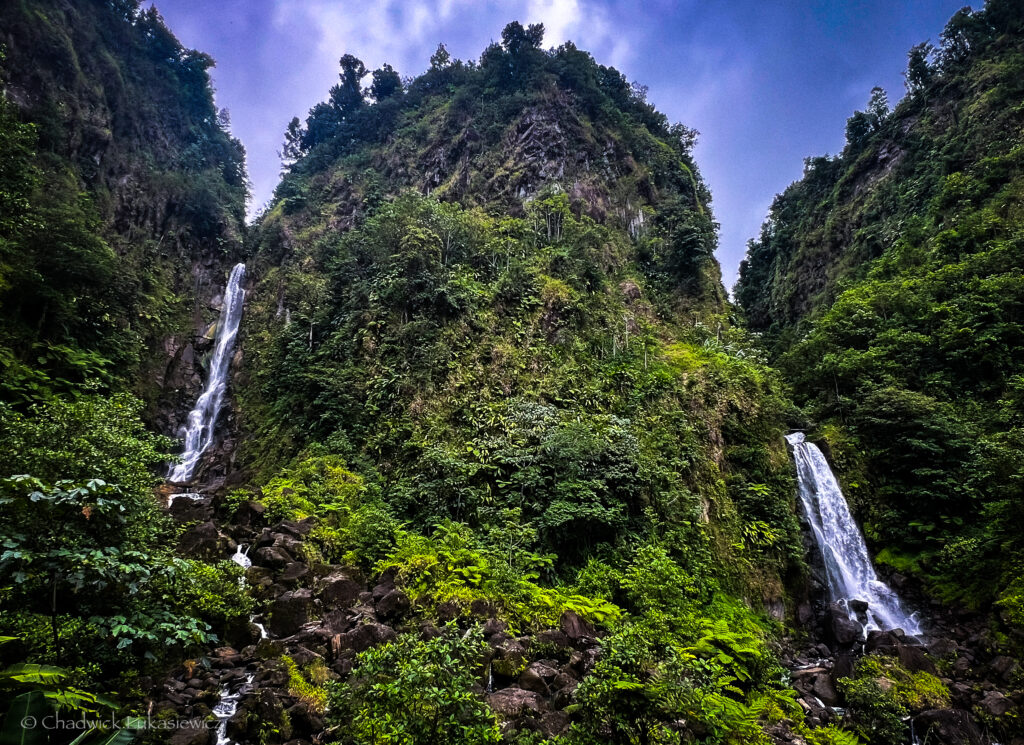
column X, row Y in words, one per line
column 227, row 707
column 241, row 557
column 203, row 418
column 851, row 575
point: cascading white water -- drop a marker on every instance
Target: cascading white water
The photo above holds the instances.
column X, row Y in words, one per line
column 241, row 556
column 227, row 706
column 851, row 575
column 203, row 418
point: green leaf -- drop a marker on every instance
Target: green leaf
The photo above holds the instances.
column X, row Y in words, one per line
column 27, row 708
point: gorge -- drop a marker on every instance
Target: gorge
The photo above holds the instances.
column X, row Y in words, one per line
column 476, row 448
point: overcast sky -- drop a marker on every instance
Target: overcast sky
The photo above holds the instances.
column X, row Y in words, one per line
column 767, row 83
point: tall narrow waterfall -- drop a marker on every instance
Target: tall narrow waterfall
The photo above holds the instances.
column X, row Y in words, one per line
column 203, row 418
column 847, row 564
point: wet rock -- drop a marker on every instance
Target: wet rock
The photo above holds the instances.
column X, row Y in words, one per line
column 289, row 612
column 805, row 614
column 512, row 703
column 844, row 630
column 947, row 726
column 338, row 589
column 857, row 605
column 187, row 510
column 393, row 606
column 842, row 666
column 297, row 529
column 825, row 690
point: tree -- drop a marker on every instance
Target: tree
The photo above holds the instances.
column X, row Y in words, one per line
column 440, row 59
column 386, row 83
column 919, row 72
column 878, row 107
column 858, row 129
column 293, row 136
column 347, row 96
column 518, row 40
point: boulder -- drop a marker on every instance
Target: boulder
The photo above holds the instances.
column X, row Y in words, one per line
column 914, row 659
column 554, row 723
column 338, row 589
column 191, row 735
column 845, row 631
column 393, row 606
column 1004, row 668
column 202, row 541
column 290, row 612
column 362, row 637
column 249, row 514
column 825, row 690
column 881, row 642
column 995, row 704
column 554, row 637
column 576, row 628
column 538, row 677
column 293, row 573
column 273, row 557
column 511, row 703
column 947, row 726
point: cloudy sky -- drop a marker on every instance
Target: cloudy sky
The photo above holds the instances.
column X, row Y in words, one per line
column 766, row 83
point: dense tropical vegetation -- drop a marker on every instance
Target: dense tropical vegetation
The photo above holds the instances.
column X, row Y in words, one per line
column 505, row 462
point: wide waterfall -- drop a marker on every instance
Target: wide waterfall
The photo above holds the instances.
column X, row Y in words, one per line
column 203, row 418
column 851, row 575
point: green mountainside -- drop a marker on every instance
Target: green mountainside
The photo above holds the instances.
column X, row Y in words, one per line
column 499, row 461
column 889, row 282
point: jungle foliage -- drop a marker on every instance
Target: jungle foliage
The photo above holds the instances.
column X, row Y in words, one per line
column 888, row 282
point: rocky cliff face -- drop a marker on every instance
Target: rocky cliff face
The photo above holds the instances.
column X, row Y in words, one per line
column 124, row 127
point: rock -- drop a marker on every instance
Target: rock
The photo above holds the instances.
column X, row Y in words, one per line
column 538, row 678
column 293, row 573
column 915, row 659
column 305, row 722
column 272, row 556
column 996, row 704
column 1003, row 667
column 296, row 529
column 289, row 612
column 857, row 605
column 338, row 589
column 947, row 726
column 362, row 637
column 805, row 615
column 575, row 627
column 824, row 689
column 844, row 630
column 393, row 606
column 842, row 667
column 881, row 642
column 942, row 647
column 249, row 514
column 386, row 585
column 961, row 667
column 201, row 541
column 509, row 659
column 494, row 627
column 510, row 703
column 338, row 621
column 225, row 657
column 554, row 637
column 554, row 723
column 564, row 696
column 191, row 736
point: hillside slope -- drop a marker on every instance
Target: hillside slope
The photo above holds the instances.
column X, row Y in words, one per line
column 123, row 203
column 890, row 284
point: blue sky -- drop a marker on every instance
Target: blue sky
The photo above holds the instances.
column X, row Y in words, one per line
column 766, row 83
